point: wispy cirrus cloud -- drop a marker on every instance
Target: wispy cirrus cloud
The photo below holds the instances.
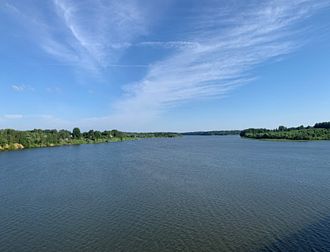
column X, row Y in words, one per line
column 222, row 56
column 170, row 44
column 97, row 31
column 89, row 34
column 13, row 116
column 205, row 53
column 21, row 88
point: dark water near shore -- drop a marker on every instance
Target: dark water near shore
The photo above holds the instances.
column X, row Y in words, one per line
column 181, row 194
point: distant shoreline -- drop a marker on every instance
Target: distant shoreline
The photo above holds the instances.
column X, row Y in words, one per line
column 320, row 131
column 212, row 133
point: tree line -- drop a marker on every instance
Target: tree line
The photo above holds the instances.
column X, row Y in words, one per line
column 213, row 133
column 11, row 139
column 320, row 131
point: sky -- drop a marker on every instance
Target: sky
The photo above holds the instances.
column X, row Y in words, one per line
column 164, row 65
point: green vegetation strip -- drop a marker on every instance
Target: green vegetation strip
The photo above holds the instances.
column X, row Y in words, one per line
column 14, row 140
column 320, row 131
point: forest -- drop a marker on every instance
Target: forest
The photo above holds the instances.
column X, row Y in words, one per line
column 11, row 139
column 320, row 131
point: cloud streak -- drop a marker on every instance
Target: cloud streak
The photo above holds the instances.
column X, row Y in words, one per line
column 89, row 34
column 13, row 116
column 21, row 88
column 98, row 30
column 212, row 49
column 221, row 57
column 170, row 44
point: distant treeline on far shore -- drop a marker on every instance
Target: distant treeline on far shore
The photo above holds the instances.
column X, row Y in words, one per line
column 320, row 131
column 213, row 133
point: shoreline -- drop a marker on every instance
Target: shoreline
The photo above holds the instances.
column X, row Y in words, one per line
column 283, row 139
column 12, row 140
column 116, row 140
column 22, row 148
column 70, row 144
column 318, row 132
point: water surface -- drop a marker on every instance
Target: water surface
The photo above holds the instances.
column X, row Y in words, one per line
column 170, row 194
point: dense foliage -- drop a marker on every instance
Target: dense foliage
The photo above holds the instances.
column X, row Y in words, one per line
column 13, row 139
column 320, row 131
column 324, row 125
column 213, row 133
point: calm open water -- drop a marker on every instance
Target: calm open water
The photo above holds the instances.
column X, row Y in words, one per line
column 171, row 194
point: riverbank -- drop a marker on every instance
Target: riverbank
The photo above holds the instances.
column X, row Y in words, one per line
column 11, row 140
column 17, row 146
column 320, row 131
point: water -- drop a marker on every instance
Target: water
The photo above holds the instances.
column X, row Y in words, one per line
column 178, row 194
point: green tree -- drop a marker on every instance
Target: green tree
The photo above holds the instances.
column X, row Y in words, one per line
column 281, row 128
column 76, row 133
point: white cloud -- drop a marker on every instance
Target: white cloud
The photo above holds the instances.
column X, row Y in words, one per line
column 97, row 32
column 17, row 88
column 216, row 52
column 21, row 88
column 170, row 44
column 89, row 34
column 222, row 57
column 13, row 116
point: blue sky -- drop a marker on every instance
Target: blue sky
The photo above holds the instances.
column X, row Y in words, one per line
column 156, row 65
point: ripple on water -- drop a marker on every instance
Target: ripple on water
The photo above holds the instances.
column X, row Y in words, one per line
column 183, row 194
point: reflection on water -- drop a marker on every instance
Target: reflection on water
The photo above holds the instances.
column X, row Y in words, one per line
column 182, row 194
